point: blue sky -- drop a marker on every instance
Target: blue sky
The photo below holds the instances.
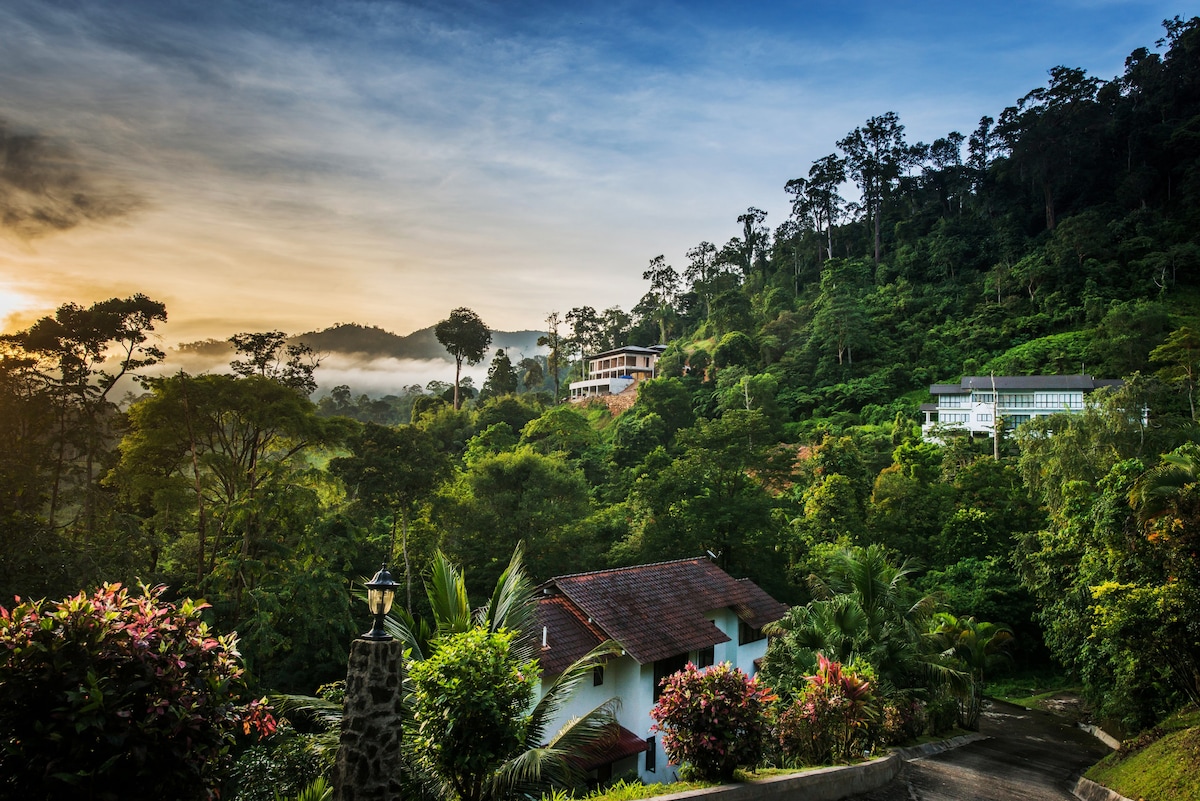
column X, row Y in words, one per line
column 293, row 164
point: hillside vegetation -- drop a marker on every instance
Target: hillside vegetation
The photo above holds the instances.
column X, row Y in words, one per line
column 780, row 435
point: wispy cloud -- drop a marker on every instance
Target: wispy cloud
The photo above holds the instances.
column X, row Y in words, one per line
column 303, row 162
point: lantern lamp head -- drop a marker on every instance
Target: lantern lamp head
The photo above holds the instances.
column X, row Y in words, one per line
column 381, row 591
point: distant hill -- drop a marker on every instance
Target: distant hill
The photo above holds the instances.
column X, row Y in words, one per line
column 375, row 342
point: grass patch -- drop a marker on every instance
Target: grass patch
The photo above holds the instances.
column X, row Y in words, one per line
column 1028, row 689
column 1162, row 763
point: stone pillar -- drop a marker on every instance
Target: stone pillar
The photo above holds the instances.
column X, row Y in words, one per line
column 368, row 758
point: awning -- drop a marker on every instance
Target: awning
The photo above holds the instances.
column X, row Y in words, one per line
column 625, row 745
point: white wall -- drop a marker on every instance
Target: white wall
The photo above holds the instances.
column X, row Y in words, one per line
column 634, row 685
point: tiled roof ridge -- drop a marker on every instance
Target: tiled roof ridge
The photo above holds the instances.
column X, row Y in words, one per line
column 547, row 582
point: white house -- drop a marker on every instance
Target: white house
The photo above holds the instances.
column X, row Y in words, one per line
column 976, row 403
column 614, row 371
column 663, row 616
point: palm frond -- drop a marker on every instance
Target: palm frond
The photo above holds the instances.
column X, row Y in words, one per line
column 559, row 691
column 447, row 593
column 511, row 605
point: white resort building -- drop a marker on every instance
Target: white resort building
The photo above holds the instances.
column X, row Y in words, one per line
column 975, row 404
column 614, row 371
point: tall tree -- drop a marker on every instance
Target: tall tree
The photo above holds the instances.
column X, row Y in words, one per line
column 1050, row 134
column 816, row 204
column 755, row 240
column 876, row 156
column 268, row 354
column 68, row 349
column 502, row 376
column 659, row 302
column 586, row 332
column 554, row 340
column 465, row 336
column 393, row 470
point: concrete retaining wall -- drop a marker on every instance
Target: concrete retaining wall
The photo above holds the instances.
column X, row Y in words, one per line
column 821, row 784
column 1088, row 790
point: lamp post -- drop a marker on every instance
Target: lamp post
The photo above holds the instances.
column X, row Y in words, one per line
column 368, row 759
column 381, row 591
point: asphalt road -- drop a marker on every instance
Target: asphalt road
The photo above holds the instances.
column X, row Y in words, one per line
column 1029, row 756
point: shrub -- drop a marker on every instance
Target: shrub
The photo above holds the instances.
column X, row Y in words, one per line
column 713, row 721
column 114, row 696
column 903, row 721
column 470, row 702
column 831, row 719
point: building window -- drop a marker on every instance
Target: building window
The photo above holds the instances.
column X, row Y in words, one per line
column 953, row 417
column 706, row 657
column 651, row 755
column 1016, row 400
column 598, row 675
column 983, row 418
column 667, row 667
column 1011, row 421
column 747, row 633
column 952, row 401
column 985, row 397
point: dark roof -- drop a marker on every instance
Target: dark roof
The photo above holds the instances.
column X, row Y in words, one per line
column 628, row 349
column 1033, row 382
column 568, row 634
column 624, row 744
column 653, row 611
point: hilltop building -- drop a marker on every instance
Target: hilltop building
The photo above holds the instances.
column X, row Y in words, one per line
column 614, row 371
column 976, row 403
column 663, row 616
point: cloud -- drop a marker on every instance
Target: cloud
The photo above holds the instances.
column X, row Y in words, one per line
column 45, row 188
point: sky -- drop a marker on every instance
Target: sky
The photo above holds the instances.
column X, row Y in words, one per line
column 283, row 164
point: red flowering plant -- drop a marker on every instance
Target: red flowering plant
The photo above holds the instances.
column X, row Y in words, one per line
column 713, row 721
column 110, row 695
column 832, row 718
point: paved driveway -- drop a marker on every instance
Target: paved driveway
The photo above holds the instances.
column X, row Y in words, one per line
column 1030, row 756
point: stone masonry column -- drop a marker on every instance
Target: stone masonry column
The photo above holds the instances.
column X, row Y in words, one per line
column 368, row 758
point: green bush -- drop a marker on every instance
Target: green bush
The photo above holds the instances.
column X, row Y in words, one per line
column 470, row 703
column 114, row 696
column 713, row 721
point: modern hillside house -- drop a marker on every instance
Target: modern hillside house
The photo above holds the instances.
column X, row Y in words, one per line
column 976, row 403
column 614, row 371
column 663, row 616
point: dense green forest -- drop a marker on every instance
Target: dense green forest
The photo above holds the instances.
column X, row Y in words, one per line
column 1061, row 236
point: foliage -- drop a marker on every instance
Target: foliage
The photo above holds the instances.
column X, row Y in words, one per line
column 713, row 721
column 832, row 719
column 465, row 337
column 976, row 647
column 864, row 610
column 116, row 694
column 470, row 698
column 285, row 763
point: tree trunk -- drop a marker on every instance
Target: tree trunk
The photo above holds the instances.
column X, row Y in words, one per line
column 457, row 376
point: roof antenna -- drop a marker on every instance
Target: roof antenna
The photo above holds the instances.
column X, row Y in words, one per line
column 712, row 555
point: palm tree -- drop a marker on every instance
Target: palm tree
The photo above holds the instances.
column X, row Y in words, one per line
column 862, row 608
column 977, row 647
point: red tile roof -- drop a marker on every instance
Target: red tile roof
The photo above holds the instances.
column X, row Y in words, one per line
column 653, row 611
column 568, row 634
column 625, row 744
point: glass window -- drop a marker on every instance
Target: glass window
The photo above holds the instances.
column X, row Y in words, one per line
column 747, row 633
column 651, row 755
column 706, row 656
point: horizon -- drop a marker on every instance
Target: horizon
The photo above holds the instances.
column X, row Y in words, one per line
column 282, row 166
